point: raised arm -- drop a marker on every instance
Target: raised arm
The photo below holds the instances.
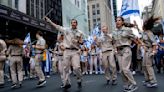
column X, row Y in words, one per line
column 8, row 51
column 58, row 27
column 4, row 47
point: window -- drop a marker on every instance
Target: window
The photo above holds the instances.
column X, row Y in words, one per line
column 32, row 9
column 94, row 20
column 94, row 25
column 37, row 2
column 99, row 24
column 93, row 12
column 16, row 4
column 42, row 13
column 9, row 3
column 41, row 9
column 97, row 5
column 37, row 12
column 37, row 8
column 98, row 19
column 41, row 5
column 88, row 10
column 59, row 3
column 75, row 2
column 78, row 4
column 98, row 11
column 93, row 6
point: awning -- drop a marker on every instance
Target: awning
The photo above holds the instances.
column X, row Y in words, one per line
column 14, row 15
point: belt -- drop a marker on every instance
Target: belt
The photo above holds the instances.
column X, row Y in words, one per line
column 107, row 50
column 71, row 48
column 16, row 55
column 38, row 53
column 59, row 55
column 93, row 55
column 122, row 47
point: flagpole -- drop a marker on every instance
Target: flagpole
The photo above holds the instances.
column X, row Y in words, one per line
column 49, row 12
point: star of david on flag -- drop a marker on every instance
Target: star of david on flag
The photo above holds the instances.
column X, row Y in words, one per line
column 130, row 7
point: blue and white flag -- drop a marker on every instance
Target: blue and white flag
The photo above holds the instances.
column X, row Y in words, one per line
column 157, row 38
column 48, row 61
column 96, row 31
column 87, row 43
column 27, row 40
column 130, row 7
column 162, row 23
column 90, row 39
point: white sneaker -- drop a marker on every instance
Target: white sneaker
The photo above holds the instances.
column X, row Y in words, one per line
column 134, row 72
column 132, row 88
column 13, row 85
column 96, row 72
column 86, row 72
column 102, row 72
column 145, row 82
column 9, row 80
column 41, row 83
column 48, row 76
column 151, row 85
column 90, row 72
column 25, row 78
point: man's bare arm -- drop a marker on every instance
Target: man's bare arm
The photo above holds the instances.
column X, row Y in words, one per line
column 58, row 27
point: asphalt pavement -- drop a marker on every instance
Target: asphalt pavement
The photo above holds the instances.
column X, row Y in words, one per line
column 91, row 83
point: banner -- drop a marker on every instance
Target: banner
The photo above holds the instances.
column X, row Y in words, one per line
column 130, row 7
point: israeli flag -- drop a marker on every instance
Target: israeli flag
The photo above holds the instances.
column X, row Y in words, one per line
column 162, row 22
column 48, row 61
column 27, row 40
column 129, row 7
column 95, row 31
column 90, row 39
column 87, row 43
column 157, row 38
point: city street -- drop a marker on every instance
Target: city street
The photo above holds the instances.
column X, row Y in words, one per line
column 86, row 36
column 91, row 83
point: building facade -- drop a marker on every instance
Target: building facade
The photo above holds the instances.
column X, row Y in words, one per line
column 114, row 8
column 36, row 8
column 158, row 8
column 99, row 13
column 147, row 12
column 40, row 8
column 75, row 9
column 19, row 17
column 19, row 5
